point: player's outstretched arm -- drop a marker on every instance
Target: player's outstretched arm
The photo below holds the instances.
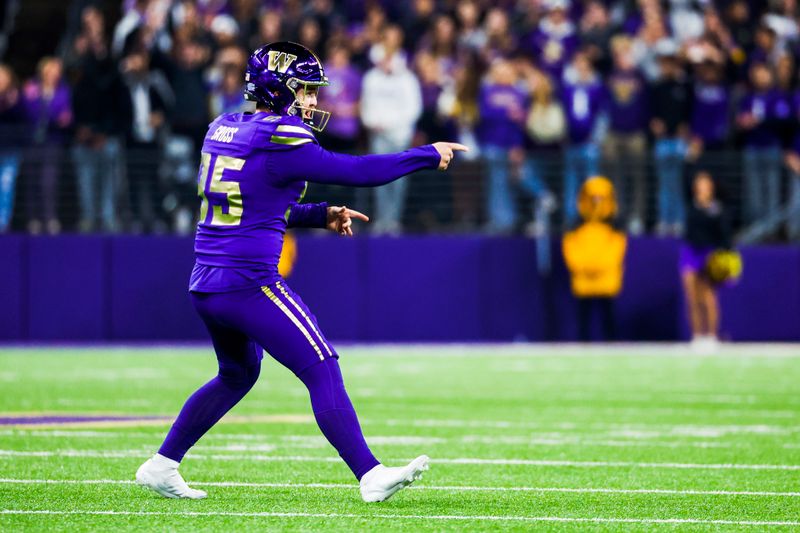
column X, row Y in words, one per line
column 310, row 162
column 308, row 215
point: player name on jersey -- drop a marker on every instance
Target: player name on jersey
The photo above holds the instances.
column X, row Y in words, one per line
column 224, row 134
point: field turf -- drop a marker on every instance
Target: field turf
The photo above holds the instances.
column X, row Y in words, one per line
column 520, row 438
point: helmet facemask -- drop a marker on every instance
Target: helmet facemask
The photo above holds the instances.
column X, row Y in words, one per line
column 314, row 118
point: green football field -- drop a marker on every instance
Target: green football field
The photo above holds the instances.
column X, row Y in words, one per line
column 520, row 437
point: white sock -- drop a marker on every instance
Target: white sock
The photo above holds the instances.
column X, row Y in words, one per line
column 164, row 462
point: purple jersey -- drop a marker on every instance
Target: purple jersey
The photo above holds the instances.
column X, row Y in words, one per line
column 583, row 105
column 341, row 98
column 770, row 109
column 552, row 47
column 628, row 109
column 710, row 113
column 502, row 110
column 254, row 172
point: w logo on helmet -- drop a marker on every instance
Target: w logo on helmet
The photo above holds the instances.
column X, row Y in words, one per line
column 280, row 61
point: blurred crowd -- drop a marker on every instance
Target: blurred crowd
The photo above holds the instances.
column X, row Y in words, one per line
column 546, row 92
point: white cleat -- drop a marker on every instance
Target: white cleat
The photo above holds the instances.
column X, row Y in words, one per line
column 381, row 482
column 161, row 475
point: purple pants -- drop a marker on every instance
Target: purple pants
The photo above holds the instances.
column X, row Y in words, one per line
column 274, row 318
column 271, row 317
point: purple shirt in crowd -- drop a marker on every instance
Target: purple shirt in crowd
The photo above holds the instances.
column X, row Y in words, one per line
column 710, row 113
column 551, row 50
column 502, row 114
column 255, row 171
column 47, row 119
column 627, row 103
column 344, row 91
column 769, row 108
column 583, row 104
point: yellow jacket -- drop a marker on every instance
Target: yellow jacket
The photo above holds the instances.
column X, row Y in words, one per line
column 595, row 253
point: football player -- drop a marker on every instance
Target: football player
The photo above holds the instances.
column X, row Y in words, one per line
column 254, row 173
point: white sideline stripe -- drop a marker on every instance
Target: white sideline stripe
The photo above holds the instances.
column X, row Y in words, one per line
column 453, row 488
column 458, row 460
column 494, row 518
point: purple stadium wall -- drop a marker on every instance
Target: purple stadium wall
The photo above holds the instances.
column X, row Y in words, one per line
column 124, row 288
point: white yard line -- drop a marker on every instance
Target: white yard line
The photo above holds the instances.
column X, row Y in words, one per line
column 310, row 441
column 458, row 460
column 450, row 488
column 493, row 518
column 682, row 429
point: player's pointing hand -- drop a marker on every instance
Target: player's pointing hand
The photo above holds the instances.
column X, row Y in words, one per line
column 446, row 151
column 340, row 219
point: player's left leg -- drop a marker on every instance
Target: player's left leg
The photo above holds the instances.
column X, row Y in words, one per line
column 239, row 367
column 282, row 324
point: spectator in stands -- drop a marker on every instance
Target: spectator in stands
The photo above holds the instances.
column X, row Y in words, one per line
column 709, row 123
column 417, row 19
column 225, row 31
column 554, row 41
column 143, row 111
column 49, row 115
column 767, row 49
column 717, row 34
column 342, row 134
column 762, row 112
column 365, row 37
column 671, row 107
column 471, row 36
column 625, row 144
column 595, row 35
column 391, row 104
column 584, row 98
column 595, row 256
column 432, row 124
column 309, row 33
column 546, row 128
column 227, row 88
column 500, row 40
column 12, row 139
column 792, row 160
column 738, row 21
column 440, row 43
column 459, row 102
column 647, row 28
column 785, row 74
column 502, row 111
column 341, row 98
column 95, row 97
column 185, row 70
column 269, row 29
column 685, row 20
column 245, row 13
column 144, row 24
column 707, row 229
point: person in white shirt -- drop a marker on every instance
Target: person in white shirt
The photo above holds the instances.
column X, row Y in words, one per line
column 391, row 104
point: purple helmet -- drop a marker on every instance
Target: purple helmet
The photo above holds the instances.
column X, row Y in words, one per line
column 274, row 74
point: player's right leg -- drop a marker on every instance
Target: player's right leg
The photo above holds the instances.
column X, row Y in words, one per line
column 280, row 322
column 239, row 365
